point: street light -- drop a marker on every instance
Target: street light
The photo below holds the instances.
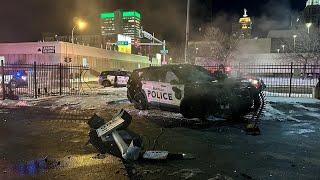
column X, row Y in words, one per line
column 308, row 26
column 294, row 42
column 283, row 47
column 187, row 33
column 80, row 24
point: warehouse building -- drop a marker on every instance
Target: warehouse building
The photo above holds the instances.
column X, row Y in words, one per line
column 97, row 59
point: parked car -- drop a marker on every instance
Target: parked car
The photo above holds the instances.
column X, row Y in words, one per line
column 14, row 79
column 193, row 91
column 114, row 78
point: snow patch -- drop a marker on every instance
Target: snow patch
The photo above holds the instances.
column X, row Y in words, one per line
column 293, row 100
column 275, row 114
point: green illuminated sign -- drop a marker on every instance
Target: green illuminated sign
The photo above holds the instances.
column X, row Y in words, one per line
column 131, row 14
column 107, row 15
column 124, row 43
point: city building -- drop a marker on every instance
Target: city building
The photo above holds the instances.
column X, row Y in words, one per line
column 97, row 59
column 88, row 40
column 122, row 22
column 311, row 13
column 243, row 28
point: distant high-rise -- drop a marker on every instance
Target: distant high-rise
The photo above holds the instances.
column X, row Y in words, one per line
column 312, row 13
column 313, row 2
column 122, row 22
column 243, row 28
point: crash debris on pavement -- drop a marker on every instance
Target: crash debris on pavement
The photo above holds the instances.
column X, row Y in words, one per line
column 103, row 134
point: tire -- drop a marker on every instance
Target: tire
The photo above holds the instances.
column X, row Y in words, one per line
column 185, row 110
column 192, row 109
column 106, row 83
column 140, row 101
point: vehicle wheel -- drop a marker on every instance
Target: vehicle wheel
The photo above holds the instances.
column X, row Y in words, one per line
column 106, row 83
column 140, row 101
column 192, row 110
column 185, row 110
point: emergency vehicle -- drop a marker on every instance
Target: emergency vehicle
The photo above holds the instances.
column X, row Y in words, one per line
column 193, row 91
column 113, row 78
column 14, row 79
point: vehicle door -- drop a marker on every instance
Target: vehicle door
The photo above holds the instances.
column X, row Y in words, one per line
column 173, row 90
column 122, row 78
column 111, row 76
column 151, row 85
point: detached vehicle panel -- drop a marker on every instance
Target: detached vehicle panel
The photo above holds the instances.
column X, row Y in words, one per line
column 192, row 91
column 113, row 78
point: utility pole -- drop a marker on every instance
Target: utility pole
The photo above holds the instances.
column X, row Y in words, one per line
column 187, row 33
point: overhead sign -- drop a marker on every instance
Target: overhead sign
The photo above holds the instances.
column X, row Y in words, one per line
column 164, row 51
column 125, row 43
column 48, row 49
column 144, row 34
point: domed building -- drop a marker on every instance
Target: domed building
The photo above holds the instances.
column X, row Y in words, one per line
column 313, row 2
column 311, row 13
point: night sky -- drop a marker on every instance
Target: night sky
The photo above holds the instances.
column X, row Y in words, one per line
column 24, row 20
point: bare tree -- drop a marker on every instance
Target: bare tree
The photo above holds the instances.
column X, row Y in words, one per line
column 215, row 44
column 303, row 47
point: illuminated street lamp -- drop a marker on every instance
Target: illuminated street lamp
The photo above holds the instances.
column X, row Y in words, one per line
column 80, row 24
column 308, row 26
column 283, row 46
column 294, row 42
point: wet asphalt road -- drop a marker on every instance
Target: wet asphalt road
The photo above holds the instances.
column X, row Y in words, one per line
column 288, row 147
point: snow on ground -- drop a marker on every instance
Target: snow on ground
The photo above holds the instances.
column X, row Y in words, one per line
column 95, row 99
column 272, row 81
column 98, row 98
column 292, row 100
column 294, row 95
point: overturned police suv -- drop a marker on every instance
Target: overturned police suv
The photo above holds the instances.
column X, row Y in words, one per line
column 194, row 92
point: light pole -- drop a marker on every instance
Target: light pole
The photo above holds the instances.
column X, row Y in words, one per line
column 283, row 46
column 187, row 34
column 294, row 42
column 80, row 24
column 308, row 26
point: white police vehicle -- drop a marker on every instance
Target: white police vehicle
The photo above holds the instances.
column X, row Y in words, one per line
column 14, row 79
column 192, row 91
column 114, row 78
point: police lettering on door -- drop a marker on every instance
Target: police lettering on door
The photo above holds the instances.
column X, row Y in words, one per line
column 159, row 94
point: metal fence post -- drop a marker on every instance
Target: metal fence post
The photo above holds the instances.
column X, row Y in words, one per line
column 291, row 75
column 60, row 79
column 35, row 79
column 2, row 82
